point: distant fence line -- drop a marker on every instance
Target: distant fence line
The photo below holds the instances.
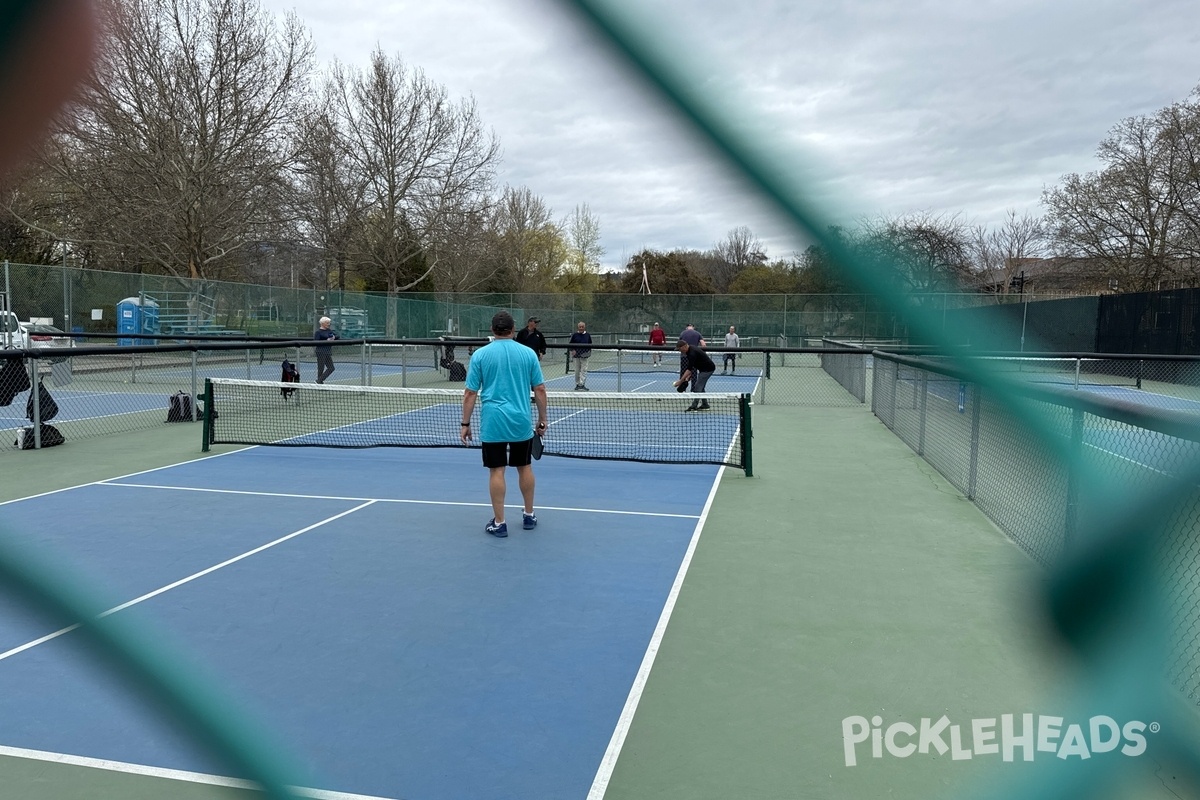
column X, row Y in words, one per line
column 86, row 300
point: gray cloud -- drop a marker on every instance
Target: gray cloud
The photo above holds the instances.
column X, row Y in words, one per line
column 881, row 107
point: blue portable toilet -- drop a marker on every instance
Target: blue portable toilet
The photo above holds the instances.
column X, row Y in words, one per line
column 137, row 315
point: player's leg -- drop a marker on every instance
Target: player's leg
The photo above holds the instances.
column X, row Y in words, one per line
column 520, row 455
column 495, row 457
column 701, row 381
column 497, row 488
column 583, row 365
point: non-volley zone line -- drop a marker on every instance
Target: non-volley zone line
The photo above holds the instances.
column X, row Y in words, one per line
column 373, row 500
column 181, row 776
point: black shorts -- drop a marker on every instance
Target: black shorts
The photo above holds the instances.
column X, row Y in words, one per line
column 511, row 454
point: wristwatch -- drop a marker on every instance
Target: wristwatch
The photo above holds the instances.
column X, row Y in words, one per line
column 465, row 424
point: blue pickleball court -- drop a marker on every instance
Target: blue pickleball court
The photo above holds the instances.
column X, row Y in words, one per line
column 350, row 603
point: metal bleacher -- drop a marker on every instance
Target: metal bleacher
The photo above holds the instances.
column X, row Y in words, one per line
column 187, row 313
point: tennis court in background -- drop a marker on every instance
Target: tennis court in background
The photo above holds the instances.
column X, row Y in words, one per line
column 350, row 601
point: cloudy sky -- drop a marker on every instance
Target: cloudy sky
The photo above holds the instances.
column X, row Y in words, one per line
column 945, row 106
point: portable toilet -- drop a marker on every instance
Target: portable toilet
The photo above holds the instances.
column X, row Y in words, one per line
column 136, row 315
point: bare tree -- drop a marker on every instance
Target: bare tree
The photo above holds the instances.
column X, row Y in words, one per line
column 1179, row 134
column 1001, row 251
column 425, row 160
column 921, row 253
column 460, row 258
column 740, row 249
column 1125, row 219
column 580, row 273
column 30, row 205
column 177, row 153
column 526, row 242
column 331, row 194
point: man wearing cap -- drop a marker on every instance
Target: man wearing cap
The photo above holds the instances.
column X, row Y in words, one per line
column 694, row 339
column 532, row 338
column 501, row 375
column 699, row 368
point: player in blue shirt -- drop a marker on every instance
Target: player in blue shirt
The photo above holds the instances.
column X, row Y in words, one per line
column 500, row 376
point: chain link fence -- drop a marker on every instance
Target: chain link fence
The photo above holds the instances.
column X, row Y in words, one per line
column 90, row 301
column 1120, row 427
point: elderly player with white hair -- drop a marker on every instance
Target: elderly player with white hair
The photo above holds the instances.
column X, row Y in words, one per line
column 324, row 352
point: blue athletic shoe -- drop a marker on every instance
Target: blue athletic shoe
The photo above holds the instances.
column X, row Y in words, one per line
column 528, row 521
column 498, row 530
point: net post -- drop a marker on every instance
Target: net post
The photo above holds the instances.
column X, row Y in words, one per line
column 1139, row 372
column 208, row 412
column 767, row 368
column 747, row 435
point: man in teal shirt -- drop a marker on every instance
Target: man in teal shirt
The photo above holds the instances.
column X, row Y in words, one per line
column 500, row 376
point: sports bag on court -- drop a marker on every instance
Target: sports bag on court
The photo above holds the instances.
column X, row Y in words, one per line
column 47, row 408
column 290, row 374
column 179, row 407
column 14, row 379
column 51, row 436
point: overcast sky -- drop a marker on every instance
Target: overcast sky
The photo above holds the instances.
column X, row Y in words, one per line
column 931, row 105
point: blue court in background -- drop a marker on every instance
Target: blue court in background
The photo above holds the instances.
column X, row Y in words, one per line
column 393, row 648
column 75, row 404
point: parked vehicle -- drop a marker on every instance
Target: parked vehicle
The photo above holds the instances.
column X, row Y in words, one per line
column 39, row 335
column 12, row 334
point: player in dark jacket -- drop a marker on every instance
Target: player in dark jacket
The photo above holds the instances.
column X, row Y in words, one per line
column 532, row 338
column 581, row 354
column 699, row 368
column 324, row 352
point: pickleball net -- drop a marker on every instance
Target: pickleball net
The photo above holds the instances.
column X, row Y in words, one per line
column 625, row 426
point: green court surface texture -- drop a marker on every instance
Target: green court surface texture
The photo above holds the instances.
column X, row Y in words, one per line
column 845, row 579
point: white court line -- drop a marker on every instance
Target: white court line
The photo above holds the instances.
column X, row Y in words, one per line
column 169, row 774
column 63, row 420
column 568, row 416
column 613, row 752
column 51, row 636
column 103, row 481
column 387, row 500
